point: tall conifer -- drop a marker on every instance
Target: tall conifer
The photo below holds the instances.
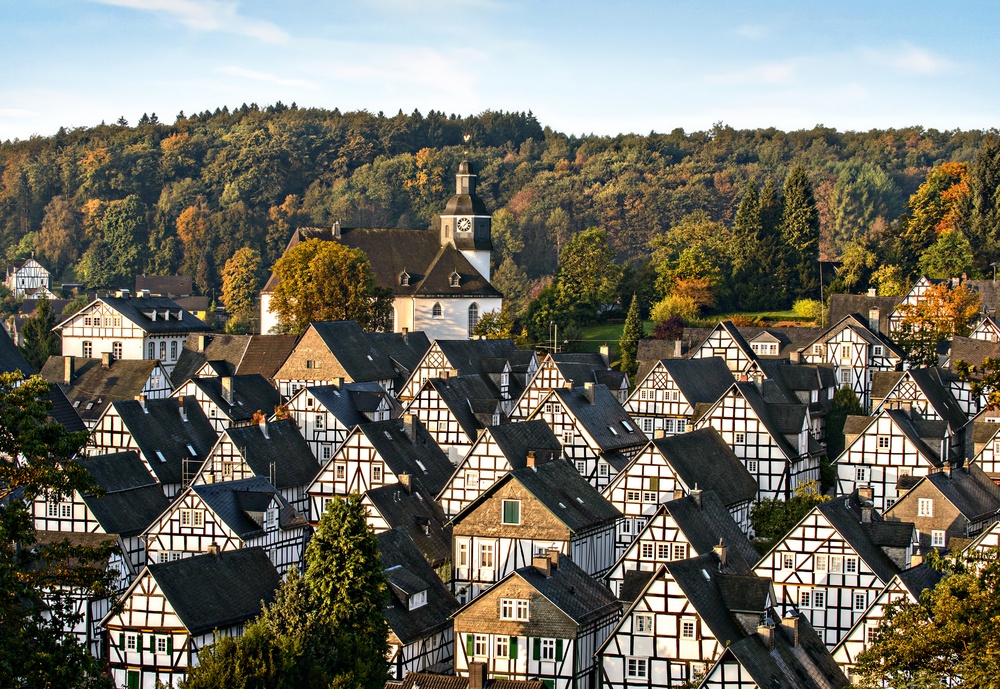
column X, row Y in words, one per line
column 800, row 231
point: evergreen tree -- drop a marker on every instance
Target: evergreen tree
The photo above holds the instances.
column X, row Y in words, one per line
column 628, row 345
column 240, row 283
column 40, row 342
column 800, row 232
column 984, row 203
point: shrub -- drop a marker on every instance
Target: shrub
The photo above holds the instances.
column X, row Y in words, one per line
column 807, row 309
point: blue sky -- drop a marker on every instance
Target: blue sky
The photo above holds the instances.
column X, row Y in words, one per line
column 581, row 66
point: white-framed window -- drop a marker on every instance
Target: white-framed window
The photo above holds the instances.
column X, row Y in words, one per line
column 131, row 642
column 883, row 442
column 88, row 349
column 633, row 496
column 850, row 565
column 689, row 628
column 845, row 376
column 870, row 634
column 668, row 426
column 548, row 647
column 581, row 468
column 418, row 600
column 637, row 668
column 116, row 350
column 88, row 320
column 481, row 645
column 192, row 517
column 602, row 469
column 845, row 352
column 861, row 474
column 860, row 600
column 486, row 555
column 814, row 599
column 327, row 452
column 663, row 551
column 377, row 471
column 680, row 551
column 163, row 351
column 643, row 623
column 173, row 350
column 837, row 564
column 514, row 609
column 473, row 317
column 649, row 497
column 740, row 438
column 320, row 421
column 937, row 538
column 436, row 310
column 511, row 511
column 643, row 394
column 646, row 551
column 819, row 563
column 925, row 507
column 567, row 437
column 462, row 559
column 472, row 480
column 502, row 647
column 752, row 466
column 161, row 645
column 788, row 561
column 647, row 425
column 340, row 471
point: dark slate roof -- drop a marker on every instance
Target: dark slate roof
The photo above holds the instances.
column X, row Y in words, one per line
column 772, row 416
column 844, row 514
column 933, row 382
column 702, row 458
column 989, row 292
column 602, row 415
column 424, row 680
column 699, row 577
column 585, row 367
column 135, row 310
column 515, row 440
column 472, row 357
column 404, row 351
column 707, row 525
column 563, row 491
column 788, row 339
column 132, row 497
column 971, row 351
column 920, row 578
column 251, row 393
column 161, row 428
column 634, row 584
column 969, row 489
column 418, row 252
column 700, row 380
column 216, row 591
column 842, row 305
column 655, row 350
column 61, row 412
column 360, row 359
column 920, row 432
column 468, row 398
column 415, row 510
column 349, row 404
column 883, row 382
column 97, row 386
column 284, row 449
column 577, row 594
column 859, row 324
column 165, row 285
column 232, row 500
column 229, row 348
column 407, row 572
column 422, row 458
column 265, row 354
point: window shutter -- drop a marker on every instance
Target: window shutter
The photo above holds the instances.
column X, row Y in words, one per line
column 470, row 648
column 170, row 645
column 537, row 651
column 559, row 644
column 654, row 483
column 121, row 641
column 513, row 648
column 152, row 644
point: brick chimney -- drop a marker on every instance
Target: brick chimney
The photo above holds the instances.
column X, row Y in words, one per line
column 106, row 360
column 791, row 623
column 695, row 494
column 553, row 554
column 678, row 493
column 227, row 389
column 542, row 565
column 720, row 551
column 406, row 481
column 477, row 675
column 588, row 391
column 766, row 633
column 181, row 409
column 69, row 369
column 606, row 355
column 410, row 427
column 531, row 459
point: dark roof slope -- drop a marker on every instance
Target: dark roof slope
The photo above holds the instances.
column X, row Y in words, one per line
column 419, row 457
column 708, row 524
column 251, row 393
column 404, row 351
column 94, row 387
column 920, row 578
column 132, row 498
column 842, row 305
column 232, row 501
column 516, row 440
column 971, row 351
column 283, row 454
column 265, row 354
column 354, row 351
column 416, row 511
column 62, row 412
column 844, row 514
column 699, row 578
column 604, row 419
column 348, row 404
column 216, row 591
column 700, row 380
column 969, row 489
column 469, row 399
column 229, row 348
column 577, row 594
column 140, row 310
column 703, row 459
column 165, row 285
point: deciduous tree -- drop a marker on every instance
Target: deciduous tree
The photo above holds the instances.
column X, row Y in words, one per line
column 240, row 285
column 588, row 275
column 58, row 242
column 943, row 312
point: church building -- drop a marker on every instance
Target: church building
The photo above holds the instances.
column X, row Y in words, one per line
column 441, row 280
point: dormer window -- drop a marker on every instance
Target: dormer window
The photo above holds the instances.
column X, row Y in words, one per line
column 404, row 279
column 455, row 279
column 418, row 600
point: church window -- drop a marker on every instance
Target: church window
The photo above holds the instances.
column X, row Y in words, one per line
column 173, row 350
column 163, row 351
column 392, row 321
column 473, row 317
column 152, row 350
column 436, row 310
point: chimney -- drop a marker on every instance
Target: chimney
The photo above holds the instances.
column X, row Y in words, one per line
column 795, row 357
column 866, row 493
column 866, row 512
column 678, row 349
column 336, row 229
column 181, row 409
column 406, row 333
column 916, row 559
column 263, row 429
column 791, row 623
column 659, row 433
column 227, row 389
column 531, row 460
column 553, row 554
column 678, row 493
column 606, row 355
column 766, row 633
column 69, row 369
column 568, row 385
column 410, row 427
column 695, row 494
column 202, row 342
column 477, row 675
column 873, row 316
column 542, row 565
column 213, row 548
column 106, row 360
column 588, row 391
column 406, row 481
column 720, row 551
column 946, row 468
column 872, row 292
column 339, row 382
column 141, row 398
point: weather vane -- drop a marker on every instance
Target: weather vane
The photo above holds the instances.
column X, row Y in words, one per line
column 465, row 138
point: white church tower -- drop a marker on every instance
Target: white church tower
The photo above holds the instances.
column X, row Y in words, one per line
column 466, row 224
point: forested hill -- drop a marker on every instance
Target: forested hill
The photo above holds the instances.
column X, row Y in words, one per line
column 102, row 204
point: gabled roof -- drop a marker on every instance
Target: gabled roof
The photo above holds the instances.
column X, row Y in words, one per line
column 408, row 573
column 160, row 430
column 350, row 345
column 702, row 459
column 265, row 354
column 932, row 382
column 216, row 591
column 577, row 594
column 604, row 419
column 968, row 488
column 700, row 380
column 971, row 351
column 468, row 357
column 842, row 305
column 867, row 539
column 62, row 412
column 579, row 368
column 229, row 348
column 417, row 512
column 516, row 440
column 858, row 325
column 469, row 399
column 348, row 404
column 774, row 416
column 419, row 457
column 140, row 311
column 132, row 498
column 708, row 524
column 232, row 501
column 251, row 393
column 920, row 578
column 283, row 454
column 165, row 285
column 94, row 387
column 404, row 351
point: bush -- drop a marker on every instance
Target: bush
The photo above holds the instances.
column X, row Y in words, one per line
column 674, row 305
column 807, row 309
column 670, row 329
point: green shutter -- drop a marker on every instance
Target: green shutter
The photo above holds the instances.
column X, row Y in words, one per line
column 537, row 653
column 511, row 511
column 513, row 648
column 121, row 641
column 133, row 679
column 470, row 648
column 170, row 644
column 549, row 684
column 152, row 644
column 559, row 643
column 654, row 483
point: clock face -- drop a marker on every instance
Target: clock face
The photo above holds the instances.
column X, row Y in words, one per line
column 464, row 224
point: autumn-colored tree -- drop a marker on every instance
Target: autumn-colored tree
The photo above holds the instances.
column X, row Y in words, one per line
column 494, row 325
column 943, row 312
column 938, row 205
column 240, row 285
column 58, row 242
column 327, row 281
column 282, row 221
column 192, row 229
column 890, row 281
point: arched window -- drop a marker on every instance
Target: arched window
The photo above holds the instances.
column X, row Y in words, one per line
column 392, row 321
column 473, row 317
column 436, row 310
column 116, row 350
column 152, row 350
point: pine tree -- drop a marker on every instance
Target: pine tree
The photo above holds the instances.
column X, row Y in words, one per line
column 800, row 231
column 40, row 342
column 984, row 202
column 628, row 345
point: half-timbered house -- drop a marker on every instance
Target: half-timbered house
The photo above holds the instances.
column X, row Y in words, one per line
column 454, row 410
column 375, row 455
column 91, row 385
column 956, row 503
column 915, row 296
column 542, row 621
column 131, row 500
column 773, row 441
column 27, row 275
column 273, row 450
column 698, row 460
column 497, row 451
column 409, row 506
column 889, row 452
column 231, row 400
column 243, row 354
column 926, row 394
column 813, row 385
column 418, row 611
column 665, row 399
column 907, row 585
column 834, row 562
column 682, row 617
column 598, row 436
column 876, row 309
column 574, row 369
column 229, row 515
column 540, row 507
column 174, row 609
column 325, row 414
column 129, row 328
column 726, row 342
column 983, row 443
column 965, row 350
column 171, row 436
column 691, row 525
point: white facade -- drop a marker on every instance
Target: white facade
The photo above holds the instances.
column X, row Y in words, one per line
column 27, row 276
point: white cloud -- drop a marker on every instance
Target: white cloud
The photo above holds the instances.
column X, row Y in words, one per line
column 265, row 77
column 207, row 15
column 908, row 58
column 767, row 73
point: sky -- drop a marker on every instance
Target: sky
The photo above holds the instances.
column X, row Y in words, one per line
column 582, row 67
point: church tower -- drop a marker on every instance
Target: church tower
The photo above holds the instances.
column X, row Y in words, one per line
column 466, row 224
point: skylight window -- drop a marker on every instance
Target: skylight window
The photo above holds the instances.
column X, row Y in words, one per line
column 191, row 450
column 160, row 455
column 628, row 427
column 613, row 431
column 562, row 505
column 388, row 435
column 422, row 467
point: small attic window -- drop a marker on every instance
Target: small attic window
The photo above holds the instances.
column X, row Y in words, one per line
column 613, row 431
column 404, row 279
column 160, row 455
column 76, row 404
column 455, row 279
column 388, row 435
column 90, row 405
column 628, row 427
column 191, row 450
